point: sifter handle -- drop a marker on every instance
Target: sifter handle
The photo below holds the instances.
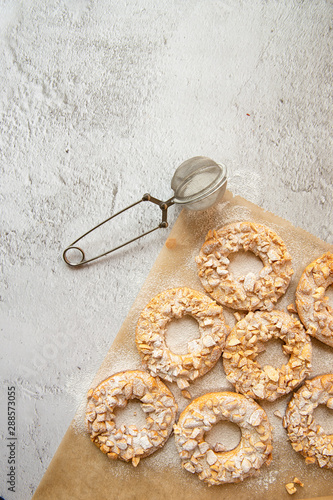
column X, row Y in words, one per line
column 164, row 205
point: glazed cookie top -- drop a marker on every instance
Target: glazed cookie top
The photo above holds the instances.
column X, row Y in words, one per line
column 248, row 292
column 312, row 304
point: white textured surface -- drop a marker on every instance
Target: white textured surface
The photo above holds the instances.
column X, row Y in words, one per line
column 99, row 103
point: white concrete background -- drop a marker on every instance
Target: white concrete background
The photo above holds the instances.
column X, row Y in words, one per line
column 100, row 101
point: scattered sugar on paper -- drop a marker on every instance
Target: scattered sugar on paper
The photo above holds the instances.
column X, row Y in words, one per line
column 215, row 380
column 217, row 217
column 189, row 260
column 263, row 481
column 79, row 385
column 166, row 457
column 236, row 214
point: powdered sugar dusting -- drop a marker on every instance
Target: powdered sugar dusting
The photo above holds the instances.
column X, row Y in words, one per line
column 176, row 267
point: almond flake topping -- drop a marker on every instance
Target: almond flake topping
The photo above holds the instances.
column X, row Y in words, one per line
column 311, row 303
column 203, row 353
column 127, row 442
column 250, row 292
column 246, row 340
column 305, row 435
column 215, row 465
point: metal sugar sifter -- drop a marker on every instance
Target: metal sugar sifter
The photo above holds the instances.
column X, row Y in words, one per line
column 198, row 184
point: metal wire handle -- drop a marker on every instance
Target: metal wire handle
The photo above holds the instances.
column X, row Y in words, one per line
column 164, row 205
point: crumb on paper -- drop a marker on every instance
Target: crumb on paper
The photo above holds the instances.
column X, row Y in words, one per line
column 290, row 487
column 171, row 243
column 291, row 308
column 186, row 394
column 278, row 414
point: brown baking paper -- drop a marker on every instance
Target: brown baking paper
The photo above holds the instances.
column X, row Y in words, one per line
column 79, row 470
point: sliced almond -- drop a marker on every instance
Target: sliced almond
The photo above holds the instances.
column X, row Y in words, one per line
column 135, row 461
column 290, row 487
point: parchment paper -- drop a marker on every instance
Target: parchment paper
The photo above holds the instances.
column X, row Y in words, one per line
column 80, row 471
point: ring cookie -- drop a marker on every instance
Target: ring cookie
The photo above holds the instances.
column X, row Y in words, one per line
column 203, row 352
column 129, row 443
column 306, row 436
column 248, row 292
column 246, row 340
column 217, row 467
column 312, row 304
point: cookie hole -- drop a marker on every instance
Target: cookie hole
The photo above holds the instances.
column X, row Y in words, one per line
column 272, row 354
column 181, row 331
column 223, row 436
column 324, row 417
column 132, row 414
column 243, row 263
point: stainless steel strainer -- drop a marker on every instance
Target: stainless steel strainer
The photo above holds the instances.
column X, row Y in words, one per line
column 198, row 184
